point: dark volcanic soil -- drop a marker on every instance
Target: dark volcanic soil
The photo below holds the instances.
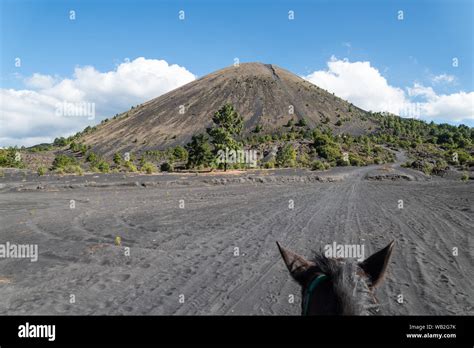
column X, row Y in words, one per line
column 190, row 250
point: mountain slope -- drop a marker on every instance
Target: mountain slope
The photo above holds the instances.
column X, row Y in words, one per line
column 263, row 94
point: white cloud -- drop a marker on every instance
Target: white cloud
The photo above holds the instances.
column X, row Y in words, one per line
column 30, row 115
column 364, row 86
column 443, row 78
column 418, row 90
column 39, row 81
column 456, row 107
column 360, row 83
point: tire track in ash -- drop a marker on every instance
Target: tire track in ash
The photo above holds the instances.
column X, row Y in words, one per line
column 328, row 225
column 303, row 241
column 381, row 226
column 122, row 299
column 426, row 277
column 230, row 267
column 445, row 228
column 201, row 278
column 186, row 275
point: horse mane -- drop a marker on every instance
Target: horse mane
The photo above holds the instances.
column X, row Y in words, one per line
column 350, row 284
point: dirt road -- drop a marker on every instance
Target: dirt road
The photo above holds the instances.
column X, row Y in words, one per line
column 183, row 239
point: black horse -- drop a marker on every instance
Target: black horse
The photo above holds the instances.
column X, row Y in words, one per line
column 338, row 286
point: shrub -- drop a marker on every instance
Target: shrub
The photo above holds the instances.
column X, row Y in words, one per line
column 61, row 161
column 258, row 128
column 148, row 168
column 286, row 156
column 180, row 153
column 301, row 122
column 130, row 167
column 117, row 158
column 239, row 166
column 103, row 167
column 463, row 156
column 320, row 139
column 445, row 138
column 330, row 152
column 465, row 176
column 317, row 165
column 83, row 149
column 73, row 169
column 407, row 164
column 269, row 165
column 91, row 157
column 427, row 168
column 304, row 160
column 11, row 157
column 341, row 163
column 166, row 167
column 339, row 123
column 440, row 166
column 42, row 171
column 355, row 160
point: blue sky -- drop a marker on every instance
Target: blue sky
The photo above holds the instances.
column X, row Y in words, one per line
column 416, row 49
column 214, row 32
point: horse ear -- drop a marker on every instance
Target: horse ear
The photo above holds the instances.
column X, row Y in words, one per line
column 375, row 265
column 296, row 264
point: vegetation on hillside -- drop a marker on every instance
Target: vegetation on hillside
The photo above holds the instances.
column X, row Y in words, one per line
column 11, row 157
column 431, row 148
column 226, row 130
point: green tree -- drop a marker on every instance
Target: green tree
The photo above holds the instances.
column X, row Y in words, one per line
column 199, row 151
column 286, row 156
column 60, row 141
column 228, row 125
column 325, row 146
column 180, row 153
